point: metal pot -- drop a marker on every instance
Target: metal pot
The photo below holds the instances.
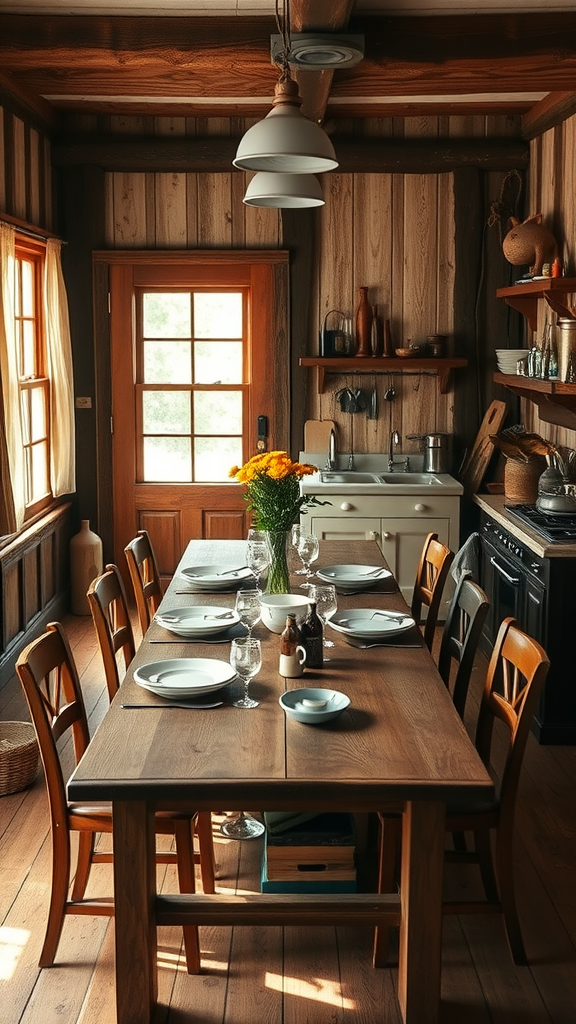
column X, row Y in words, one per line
column 556, row 503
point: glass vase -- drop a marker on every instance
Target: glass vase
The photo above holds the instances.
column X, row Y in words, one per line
column 278, row 573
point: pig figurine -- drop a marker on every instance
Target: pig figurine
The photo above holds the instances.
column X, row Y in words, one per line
column 529, row 243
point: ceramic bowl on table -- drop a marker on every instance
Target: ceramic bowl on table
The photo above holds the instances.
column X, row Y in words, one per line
column 275, row 608
column 313, row 705
column 202, row 620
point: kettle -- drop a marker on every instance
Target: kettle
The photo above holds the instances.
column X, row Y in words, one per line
column 435, row 448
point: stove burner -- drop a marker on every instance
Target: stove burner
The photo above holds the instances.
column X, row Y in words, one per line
column 553, row 526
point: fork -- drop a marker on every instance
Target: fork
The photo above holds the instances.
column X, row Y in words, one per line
column 227, row 572
column 389, row 615
column 224, row 615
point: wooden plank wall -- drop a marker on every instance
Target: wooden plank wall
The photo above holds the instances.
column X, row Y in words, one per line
column 25, row 172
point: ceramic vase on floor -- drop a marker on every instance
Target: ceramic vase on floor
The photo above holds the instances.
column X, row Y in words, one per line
column 86, row 563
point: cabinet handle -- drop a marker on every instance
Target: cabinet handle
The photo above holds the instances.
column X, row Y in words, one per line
column 387, row 536
column 419, row 507
column 371, row 535
column 511, row 579
column 346, row 506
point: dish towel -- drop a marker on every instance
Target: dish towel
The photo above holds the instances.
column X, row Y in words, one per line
column 467, row 559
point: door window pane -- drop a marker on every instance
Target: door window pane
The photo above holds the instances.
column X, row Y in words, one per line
column 218, row 362
column 167, row 362
column 218, row 412
column 166, row 315
column 218, row 314
column 166, row 412
column 213, row 457
column 167, row 458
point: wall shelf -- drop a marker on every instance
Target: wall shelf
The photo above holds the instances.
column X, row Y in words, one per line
column 524, row 297
column 382, row 364
column 556, row 400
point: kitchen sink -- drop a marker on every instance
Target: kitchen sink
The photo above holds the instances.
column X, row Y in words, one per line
column 415, row 479
column 348, row 477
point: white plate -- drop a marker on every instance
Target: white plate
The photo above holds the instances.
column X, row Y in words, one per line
column 291, row 702
column 215, row 577
column 370, row 622
column 184, row 677
column 202, row 620
column 353, row 576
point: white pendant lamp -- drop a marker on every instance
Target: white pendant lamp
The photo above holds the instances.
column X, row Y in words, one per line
column 284, row 191
column 285, row 140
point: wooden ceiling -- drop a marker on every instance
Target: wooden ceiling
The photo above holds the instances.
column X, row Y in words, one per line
column 173, row 59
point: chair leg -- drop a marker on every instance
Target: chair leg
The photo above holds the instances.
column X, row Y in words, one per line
column 459, row 840
column 86, row 842
column 508, row 899
column 484, row 854
column 203, row 825
column 186, row 881
column 58, row 895
column 390, row 836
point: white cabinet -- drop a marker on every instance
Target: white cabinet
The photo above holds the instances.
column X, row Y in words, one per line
column 400, row 524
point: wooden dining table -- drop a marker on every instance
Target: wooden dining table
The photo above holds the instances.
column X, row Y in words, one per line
column 399, row 744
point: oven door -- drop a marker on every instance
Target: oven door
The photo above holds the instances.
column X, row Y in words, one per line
column 504, row 580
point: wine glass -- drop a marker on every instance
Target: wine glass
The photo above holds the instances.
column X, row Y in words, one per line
column 308, row 551
column 248, row 607
column 326, row 605
column 242, row 827
column 246, row 660
column 258, row 558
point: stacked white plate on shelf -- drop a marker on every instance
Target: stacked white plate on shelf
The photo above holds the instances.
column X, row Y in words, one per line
column 203, row 620
column 508, row 358
column 184, row 677
column 370, row 623
column 353, row 577
column 215, row 577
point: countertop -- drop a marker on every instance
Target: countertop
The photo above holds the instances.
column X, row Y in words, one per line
column 493, row 504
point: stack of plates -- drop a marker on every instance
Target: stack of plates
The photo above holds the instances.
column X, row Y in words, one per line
column 215, row 577
column 370, row 623
column 508, row 358
column 184, row 677
column 202, row 620
column 353, row 577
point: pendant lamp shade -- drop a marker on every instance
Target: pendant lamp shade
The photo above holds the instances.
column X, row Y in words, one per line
column 285, row 191
column 285, row 140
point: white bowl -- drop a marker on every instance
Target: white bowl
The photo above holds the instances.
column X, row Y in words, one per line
column 292, row 703
column 275, row 608
column 199, row 621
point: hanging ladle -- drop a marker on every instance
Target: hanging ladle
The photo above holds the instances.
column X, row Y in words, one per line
column 390, row 393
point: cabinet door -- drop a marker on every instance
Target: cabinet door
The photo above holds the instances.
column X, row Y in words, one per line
column 341, row 528
column 402, row 541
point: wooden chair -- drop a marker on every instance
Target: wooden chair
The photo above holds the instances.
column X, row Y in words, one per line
column 516, row 675
column 145, row 577
column 109, row 607
column 50, row 681
column 459, row 643
column 435, row 561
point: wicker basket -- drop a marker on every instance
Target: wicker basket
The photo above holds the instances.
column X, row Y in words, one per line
column 18, row 756
column 521, row 479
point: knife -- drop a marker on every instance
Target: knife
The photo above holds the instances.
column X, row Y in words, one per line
column 186, row 707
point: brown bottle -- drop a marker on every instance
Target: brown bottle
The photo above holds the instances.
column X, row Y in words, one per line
column 290, row 637
column 312, row 636
column 363, row 324
column 376, row 334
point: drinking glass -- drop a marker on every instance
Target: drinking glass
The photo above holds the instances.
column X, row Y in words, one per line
column 242, row 827
column 326, row 605
column 249, row 608
column 308, row 551
column 258, row 558
column 246, row 660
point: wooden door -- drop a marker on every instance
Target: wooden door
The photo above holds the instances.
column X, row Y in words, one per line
column 199, row 350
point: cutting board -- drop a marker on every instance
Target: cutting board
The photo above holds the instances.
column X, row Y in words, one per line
column 317, row 435
column 478, row 459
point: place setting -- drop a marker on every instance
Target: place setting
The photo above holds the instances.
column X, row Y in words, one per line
column 205, row 624
column 182, row 681
column 376, row 627
column 354, row 579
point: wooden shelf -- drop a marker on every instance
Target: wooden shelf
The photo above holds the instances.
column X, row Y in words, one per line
column 382, row 364
column 524, row 297
column 556, row 400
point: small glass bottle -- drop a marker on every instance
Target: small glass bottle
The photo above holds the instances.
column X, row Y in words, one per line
column 553, row 361
column 290, row 637
column 312, row 637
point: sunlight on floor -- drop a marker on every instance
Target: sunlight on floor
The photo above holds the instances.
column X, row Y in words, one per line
column 321, row 991
column 12, row 942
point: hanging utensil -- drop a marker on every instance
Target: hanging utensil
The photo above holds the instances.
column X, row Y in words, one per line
column 372, row 413
column 390, row 393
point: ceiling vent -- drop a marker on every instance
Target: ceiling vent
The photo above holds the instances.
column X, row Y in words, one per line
column 315, row 51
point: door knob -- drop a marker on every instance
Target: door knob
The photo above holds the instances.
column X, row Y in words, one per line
column 346, row 506
column 419, row 507
column 386, row 536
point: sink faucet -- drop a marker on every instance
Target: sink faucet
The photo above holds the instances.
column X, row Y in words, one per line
column 351, row 465
column 394, row 439
column 331, row 460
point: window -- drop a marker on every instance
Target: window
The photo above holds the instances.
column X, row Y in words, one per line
column 192, row 383
column 34, row 384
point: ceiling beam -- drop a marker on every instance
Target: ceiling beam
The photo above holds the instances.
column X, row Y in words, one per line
column 549, row 112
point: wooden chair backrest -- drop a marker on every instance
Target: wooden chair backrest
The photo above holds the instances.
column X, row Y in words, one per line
column 516, row 675
column 145, row 577
column 51, row 685
column 110, row 614
column 466, row 616
column 433, row 567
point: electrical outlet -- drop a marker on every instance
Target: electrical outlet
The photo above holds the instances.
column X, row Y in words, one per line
column 84, row 402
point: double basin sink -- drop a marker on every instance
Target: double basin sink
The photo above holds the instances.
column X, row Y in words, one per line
column 341, row 481
column 352, row 477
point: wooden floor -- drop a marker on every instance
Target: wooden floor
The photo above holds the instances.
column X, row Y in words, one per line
column 291, row 976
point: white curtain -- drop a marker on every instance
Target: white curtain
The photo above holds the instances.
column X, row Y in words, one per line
column 60, row 370
column 12, row 504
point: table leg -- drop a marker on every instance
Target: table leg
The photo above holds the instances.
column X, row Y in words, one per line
column 419, row 957
column 134, row 921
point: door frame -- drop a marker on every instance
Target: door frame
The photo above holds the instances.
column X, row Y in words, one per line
column 272, row 319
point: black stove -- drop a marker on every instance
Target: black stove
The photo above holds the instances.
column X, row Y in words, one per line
column 555, row 527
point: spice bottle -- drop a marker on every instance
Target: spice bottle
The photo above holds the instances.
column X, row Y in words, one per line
column 312, row 637
column 290, row 636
